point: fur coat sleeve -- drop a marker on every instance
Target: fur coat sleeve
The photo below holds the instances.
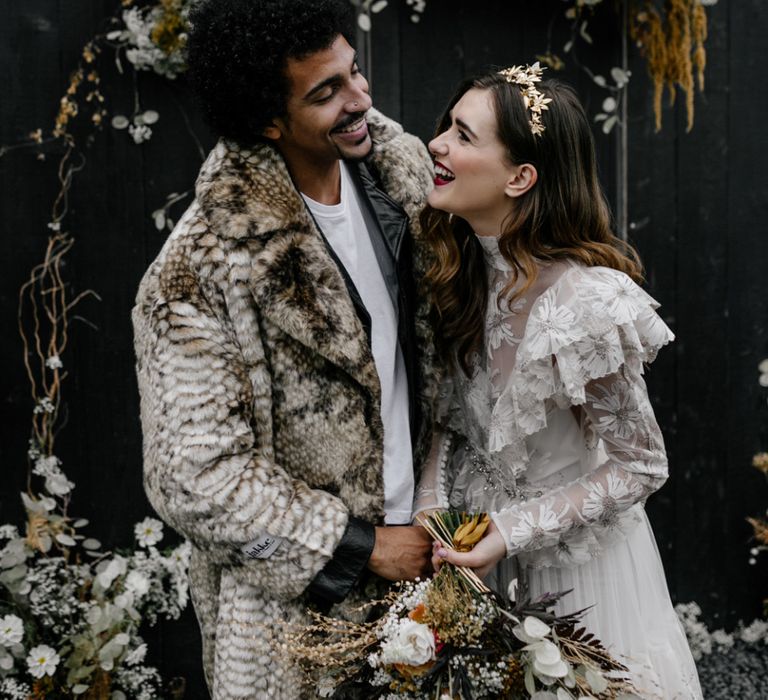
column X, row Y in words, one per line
column 205, row 474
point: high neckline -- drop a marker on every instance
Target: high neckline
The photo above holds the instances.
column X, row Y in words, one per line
column 492, row 254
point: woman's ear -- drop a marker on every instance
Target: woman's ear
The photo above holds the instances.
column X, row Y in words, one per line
column 522, row 178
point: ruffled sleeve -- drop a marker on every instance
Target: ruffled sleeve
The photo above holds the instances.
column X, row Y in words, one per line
column 585, row 342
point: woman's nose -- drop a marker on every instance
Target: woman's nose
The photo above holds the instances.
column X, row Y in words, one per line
column 436, row 146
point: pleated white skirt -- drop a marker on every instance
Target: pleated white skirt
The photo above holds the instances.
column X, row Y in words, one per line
column 630, row 611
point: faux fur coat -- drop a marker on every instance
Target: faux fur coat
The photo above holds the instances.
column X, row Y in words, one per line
column 260, row 398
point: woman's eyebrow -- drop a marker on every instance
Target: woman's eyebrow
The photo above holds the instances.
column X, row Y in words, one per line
column 466, row 128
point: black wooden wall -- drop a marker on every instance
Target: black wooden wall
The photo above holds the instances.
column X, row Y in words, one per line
column 696, row 207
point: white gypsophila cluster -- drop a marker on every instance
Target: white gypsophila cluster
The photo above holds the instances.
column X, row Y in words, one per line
column 487, row 676
column 45, row 405
column 33, row 451
column 381, row 677
column 411, row 595
column 141, row 51
column 53, row 596
column 138, row 125
column 140, row 133
column 156, row 584
column 46, row 465
column 754, row 633
column 54, row 362
column 13, row 689
column 56, row 482
column 136, row 655
column 138, row 682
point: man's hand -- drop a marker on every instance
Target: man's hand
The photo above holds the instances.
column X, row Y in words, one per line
column 401, row 553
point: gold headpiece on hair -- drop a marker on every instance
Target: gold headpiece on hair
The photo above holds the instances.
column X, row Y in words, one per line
column 527, row 77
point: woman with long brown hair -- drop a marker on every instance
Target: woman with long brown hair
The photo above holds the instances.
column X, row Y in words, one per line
column 544, row 419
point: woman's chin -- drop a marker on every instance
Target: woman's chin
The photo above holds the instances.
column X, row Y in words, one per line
column 436, row 201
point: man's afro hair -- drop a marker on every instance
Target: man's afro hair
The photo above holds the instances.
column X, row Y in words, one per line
column 237, row 55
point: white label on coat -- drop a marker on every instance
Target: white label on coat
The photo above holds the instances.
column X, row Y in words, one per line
column 262, row 547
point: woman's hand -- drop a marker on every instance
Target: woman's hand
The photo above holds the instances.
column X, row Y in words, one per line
column 483, row 557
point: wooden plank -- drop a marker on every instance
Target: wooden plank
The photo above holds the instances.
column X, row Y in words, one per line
column 702, row 344
column 385, row 72
column 745, row 409
column 653, row 230
column 432, row 60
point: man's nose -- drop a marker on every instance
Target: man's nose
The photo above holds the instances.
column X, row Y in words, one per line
column 359, row 99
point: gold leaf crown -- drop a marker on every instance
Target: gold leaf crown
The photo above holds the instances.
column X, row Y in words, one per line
column 527, row 77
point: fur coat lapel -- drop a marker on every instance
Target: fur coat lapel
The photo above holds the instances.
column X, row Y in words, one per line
column 253, row 206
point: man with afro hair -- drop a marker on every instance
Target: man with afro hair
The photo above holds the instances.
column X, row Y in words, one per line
column 283, row 358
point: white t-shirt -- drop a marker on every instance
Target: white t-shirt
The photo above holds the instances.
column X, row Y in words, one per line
column 344, row 227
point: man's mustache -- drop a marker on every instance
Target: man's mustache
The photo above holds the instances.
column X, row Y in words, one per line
column 348, row 121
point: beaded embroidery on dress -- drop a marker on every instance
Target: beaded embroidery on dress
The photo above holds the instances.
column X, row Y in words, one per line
column 554, row 434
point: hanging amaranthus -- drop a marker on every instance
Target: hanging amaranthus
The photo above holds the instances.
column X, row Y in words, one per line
column 672, row 40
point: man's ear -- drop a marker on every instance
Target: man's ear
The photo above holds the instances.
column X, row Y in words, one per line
column 274, row 131
column 522, row 178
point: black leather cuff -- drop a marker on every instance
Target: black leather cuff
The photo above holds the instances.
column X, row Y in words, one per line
column 342, row 571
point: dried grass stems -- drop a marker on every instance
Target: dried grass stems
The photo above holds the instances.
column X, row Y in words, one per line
column 759, row 525
column 453, row 608
column 45, row 303
column 760, row 528
column 672, row 40
column 326, row 643
column 443, row 533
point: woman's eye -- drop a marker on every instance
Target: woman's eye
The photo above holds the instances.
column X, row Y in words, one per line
column 463, row 137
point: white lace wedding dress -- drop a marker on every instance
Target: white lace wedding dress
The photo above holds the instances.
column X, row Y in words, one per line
column 555, row 436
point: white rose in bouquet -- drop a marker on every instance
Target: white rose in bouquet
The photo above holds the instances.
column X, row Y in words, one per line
column 412, row 643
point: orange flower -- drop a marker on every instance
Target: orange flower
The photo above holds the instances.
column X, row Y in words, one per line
column 419, row 613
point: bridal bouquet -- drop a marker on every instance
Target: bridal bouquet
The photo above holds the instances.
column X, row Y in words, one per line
column 452, row 638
